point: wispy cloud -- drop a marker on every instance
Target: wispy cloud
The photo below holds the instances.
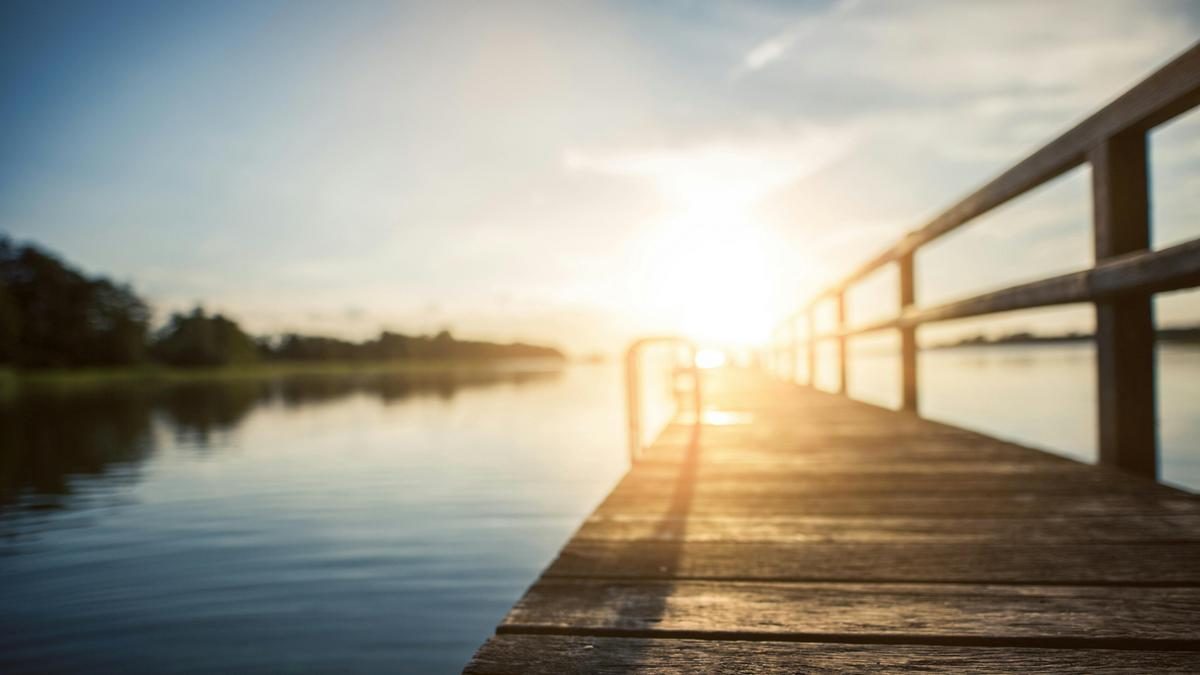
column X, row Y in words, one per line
column 743, row 168
column 767, row 52
column 777, row 46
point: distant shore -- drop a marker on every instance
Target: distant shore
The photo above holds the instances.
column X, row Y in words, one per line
column 11, row 378
column 1189, row 335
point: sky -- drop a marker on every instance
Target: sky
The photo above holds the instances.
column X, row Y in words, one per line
column 566, row 173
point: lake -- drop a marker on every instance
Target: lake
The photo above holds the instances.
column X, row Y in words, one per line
column 378, row 523
column 305, row 524
column 1040, row 395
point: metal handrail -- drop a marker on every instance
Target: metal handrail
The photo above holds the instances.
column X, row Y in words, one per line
column 633, row 406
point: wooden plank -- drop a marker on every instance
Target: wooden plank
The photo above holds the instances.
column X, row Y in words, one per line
column 1148, row 617
column 880, row 529
column 1015, row 505
column 984, row 563
column 729, row 463
column 847, row 443
column 834, row 458
column 780, row 468
column 746, row 430
column 1124, row 326
column 740, row 480
column 832, row 452
column 566, row 655
column 843, row 445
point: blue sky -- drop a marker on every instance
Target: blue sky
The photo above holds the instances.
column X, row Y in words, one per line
column 573, row 172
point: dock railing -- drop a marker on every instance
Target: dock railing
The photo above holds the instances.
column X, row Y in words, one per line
column 633, row 384
column 1121, row 284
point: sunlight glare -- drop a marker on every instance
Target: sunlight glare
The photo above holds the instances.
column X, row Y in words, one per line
column 708, row 271
column 710, row 358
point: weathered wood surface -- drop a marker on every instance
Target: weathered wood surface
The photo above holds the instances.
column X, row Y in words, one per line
column 1131, row 564
column 908, row 335
column 802, row 532
column 1140, row 272
column 838, row 611
column 1124, row 326
column 901, row 529
column 569, row 655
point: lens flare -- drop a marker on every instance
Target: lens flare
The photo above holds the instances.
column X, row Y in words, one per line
column 710, row 358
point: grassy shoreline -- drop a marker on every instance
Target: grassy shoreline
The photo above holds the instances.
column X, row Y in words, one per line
column 11, row 379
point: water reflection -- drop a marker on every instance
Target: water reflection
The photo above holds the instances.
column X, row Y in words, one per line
column 327, row 523
column 49, row 434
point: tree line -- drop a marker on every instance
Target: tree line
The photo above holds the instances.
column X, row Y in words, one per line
column 54, row 316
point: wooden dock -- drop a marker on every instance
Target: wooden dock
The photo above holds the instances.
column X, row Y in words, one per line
column 799, row 531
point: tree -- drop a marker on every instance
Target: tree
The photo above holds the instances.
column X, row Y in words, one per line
column 196, row 339
column 10, row 326
column 52, row 315
column 55, row 316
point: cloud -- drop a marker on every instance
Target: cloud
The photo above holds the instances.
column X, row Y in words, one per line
column 776, row 47
column 744, row 168
column 767, row 52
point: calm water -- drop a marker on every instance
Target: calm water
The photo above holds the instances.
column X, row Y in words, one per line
column 378, row 524
column 319, row 524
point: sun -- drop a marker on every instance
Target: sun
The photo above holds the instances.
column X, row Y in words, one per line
column 706, row 264
column 710, row 358
column 708, row 272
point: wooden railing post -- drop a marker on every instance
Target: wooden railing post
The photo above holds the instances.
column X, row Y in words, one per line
column 697, row 387
column 633, row 412
column 793, row 352
column 780, row 358
column 810, row 318
column 770, row 354
column 840, row 299
column 1125, row 325
column 908, row 338
column 781, row 354
column 783, row 366
column 784, row 346
column 633, row 381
